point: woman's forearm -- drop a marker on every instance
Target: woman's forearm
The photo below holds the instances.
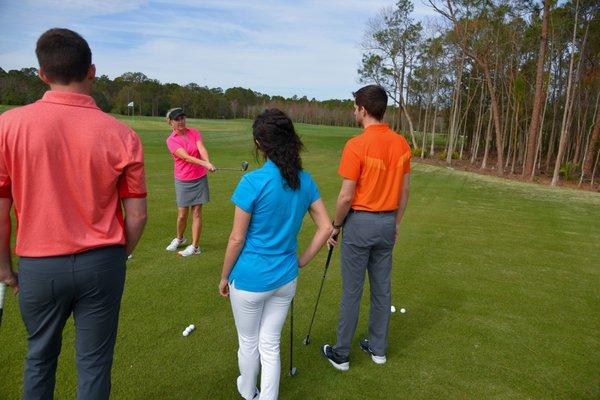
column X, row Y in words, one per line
column 318, row 240
column 234, row 247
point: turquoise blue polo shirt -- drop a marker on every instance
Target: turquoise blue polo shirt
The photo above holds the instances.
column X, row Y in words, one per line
column 269, row 258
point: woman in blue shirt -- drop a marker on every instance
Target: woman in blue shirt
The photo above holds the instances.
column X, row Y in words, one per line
column 261, row 261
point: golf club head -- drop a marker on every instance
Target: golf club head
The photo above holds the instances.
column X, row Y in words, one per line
column 244, row 165
column 306, row 340
column 293, row 372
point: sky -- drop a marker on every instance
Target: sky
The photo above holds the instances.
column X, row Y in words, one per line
column 303, row 47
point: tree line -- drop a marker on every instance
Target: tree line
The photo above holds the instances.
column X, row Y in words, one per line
column 153, row 98
column 514, row 85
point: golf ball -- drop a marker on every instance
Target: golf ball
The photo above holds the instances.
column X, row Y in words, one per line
column 192, row 327
column 393, row 309
column 186, row 332
column 402, row 310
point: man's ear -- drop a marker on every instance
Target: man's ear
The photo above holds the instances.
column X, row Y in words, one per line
column 91, row 74
column 43, row 76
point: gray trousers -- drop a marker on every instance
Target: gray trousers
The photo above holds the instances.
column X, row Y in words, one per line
column 367, row 245
column 89, row 285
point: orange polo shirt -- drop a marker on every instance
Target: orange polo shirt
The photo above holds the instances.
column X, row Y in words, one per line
column 376, row 160
column 66, row 164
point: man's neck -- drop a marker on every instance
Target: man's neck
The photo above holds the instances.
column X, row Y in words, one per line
column 368, row 121
column 75, row 87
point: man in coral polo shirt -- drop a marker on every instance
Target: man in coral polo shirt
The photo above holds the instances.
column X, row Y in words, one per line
column 70, row 170
column 375, row 168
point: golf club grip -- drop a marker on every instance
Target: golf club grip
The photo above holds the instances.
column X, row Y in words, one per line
column 329, row 253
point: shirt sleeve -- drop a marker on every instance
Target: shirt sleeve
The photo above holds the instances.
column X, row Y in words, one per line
column 244, row 196
column 197, row 135
column 407, row 156
column 5, row 181
column 132, row 182
column 350, row 163
column 173, row 145
column 314, row 193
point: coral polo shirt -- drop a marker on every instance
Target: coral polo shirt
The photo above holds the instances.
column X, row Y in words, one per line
column 66, row 164
column 376, row 160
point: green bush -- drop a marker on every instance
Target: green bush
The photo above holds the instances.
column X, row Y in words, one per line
column 444, row 154
column 569, row 169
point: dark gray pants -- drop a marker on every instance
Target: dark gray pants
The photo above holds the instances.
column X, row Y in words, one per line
column 367, row 245
column 89, row 285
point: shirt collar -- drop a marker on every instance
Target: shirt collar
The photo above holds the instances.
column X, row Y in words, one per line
column 377, row 128
column 270, row 164
column 176, row 134
column 69, row 99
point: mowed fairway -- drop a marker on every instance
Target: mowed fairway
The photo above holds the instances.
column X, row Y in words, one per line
column 500, row 280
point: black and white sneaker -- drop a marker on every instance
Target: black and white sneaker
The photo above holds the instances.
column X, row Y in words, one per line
column 338, row 362
column 364, row 346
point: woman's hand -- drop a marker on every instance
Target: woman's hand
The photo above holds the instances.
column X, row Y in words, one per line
column 209, row 166
column 224, row 288
column 332, row 241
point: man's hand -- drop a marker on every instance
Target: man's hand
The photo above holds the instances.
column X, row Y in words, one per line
column 8, row 276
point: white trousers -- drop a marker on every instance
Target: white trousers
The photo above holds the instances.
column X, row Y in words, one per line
column 259, row 318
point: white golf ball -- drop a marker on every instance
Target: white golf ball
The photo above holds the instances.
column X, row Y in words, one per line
column 186, row 332
column 192, row 327
column 393, row 309
column 402, row 310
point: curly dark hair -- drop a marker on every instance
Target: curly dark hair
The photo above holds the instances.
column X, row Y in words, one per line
column 276, row 138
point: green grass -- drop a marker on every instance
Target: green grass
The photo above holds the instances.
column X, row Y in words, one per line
column 500, row 281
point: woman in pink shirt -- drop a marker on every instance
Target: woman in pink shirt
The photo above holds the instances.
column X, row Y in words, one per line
column 191, row 164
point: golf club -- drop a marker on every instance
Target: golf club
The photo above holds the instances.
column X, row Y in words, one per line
column 2, row 292
column 243, row 167
column 293, row 370
column 307, row 338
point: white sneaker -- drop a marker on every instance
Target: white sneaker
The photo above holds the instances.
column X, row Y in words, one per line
column 191, row 250
column 175, row 243
column 364, row 345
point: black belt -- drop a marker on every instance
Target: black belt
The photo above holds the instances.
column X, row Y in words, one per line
column 352, row 210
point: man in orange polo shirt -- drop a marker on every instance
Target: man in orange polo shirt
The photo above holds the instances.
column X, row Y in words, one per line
column 70, row 170
column 375, row 168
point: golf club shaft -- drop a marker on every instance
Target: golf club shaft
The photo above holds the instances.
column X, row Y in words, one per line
column 229, row 169
column 2, row 293
column 292, row 338
column 320, row 290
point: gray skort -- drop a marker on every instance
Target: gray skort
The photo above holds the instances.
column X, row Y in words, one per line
column 192, row 193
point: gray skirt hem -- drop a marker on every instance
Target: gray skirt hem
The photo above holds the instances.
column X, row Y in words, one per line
column 192, row 193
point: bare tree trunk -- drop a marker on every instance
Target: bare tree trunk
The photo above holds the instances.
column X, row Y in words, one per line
column 593, row 142
column 496, row 117
column 409, row 121
column 552, row 134
column 463, row 122
column 433, row 122
column 534, row 128
column 424, row 131
column 538, row 153
column 455, row 110
column 478, row 128
column 488, row 139
column 594, row 171
column 515, row 139
column 433, row 126
column 568, row 107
